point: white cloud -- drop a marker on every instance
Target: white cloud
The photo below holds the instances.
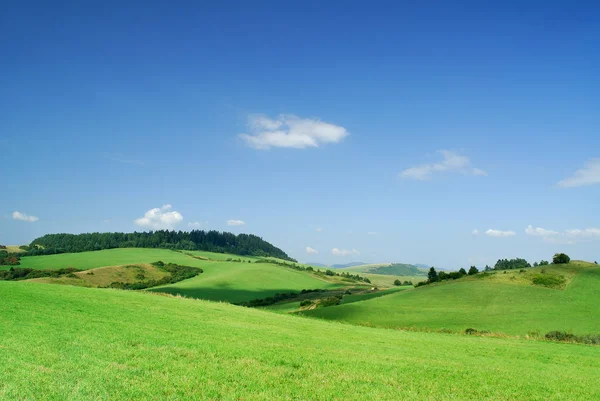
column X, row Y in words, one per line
column 160, row 218
column 195, row 224
column 235, row 222
column 23, row 217
column 588, row 175
column 539, row 232
column 475, row 232
column 344, row 252
column 311, row 250
column 371, row 233
column 319, row 230
column 570, row 236
column 499, row 233
column 452, row 162
column 289, row 131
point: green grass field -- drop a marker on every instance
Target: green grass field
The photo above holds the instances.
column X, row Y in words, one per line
column 496, row 303
column 74, row 343
column 236, row 282
column 107, row 257
column 221, row 280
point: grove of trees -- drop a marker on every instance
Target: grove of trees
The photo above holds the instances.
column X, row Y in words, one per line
column 212, row 241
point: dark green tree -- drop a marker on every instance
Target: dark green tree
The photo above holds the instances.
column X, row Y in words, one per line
column 432, row 276
column 397, row 282
column 473, row 270
column 462, row 272
column 561, row 259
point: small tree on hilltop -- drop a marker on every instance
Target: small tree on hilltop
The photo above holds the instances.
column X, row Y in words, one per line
column 462, row 272
column 397, row 282
column 473, row 270
column 544, row 263
column 432, row 276
column 561, row 259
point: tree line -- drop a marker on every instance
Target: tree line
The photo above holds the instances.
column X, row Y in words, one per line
column 196, row 240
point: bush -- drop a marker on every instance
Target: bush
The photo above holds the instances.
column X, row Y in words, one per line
column 561, row 259
column 397, row 282
column 473, row 270
column 306, row 302
column 330, row 301
column 549, row 280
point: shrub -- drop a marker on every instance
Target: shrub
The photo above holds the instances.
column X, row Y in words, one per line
column 306, row 302
column 329, row 273
column 544, row 263
column 397, row 282
column 330, row 301
column 561, row 259
column 549, row 280
column 470, row 331
column 473, row 270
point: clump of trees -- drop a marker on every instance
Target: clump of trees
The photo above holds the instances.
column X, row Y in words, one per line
column 561, row 259
column 433, row 276
column 212, row 241
column 473, row 270
column 509, row 264
column 21, row 273
column 572, row 338
column 9, row 259
column 397, row 282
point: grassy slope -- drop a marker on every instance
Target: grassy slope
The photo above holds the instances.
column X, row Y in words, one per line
column 496, row 304
column 104, row 276
column 74, row 343
column 221, row 280
column 237, row 282
column 108, row 257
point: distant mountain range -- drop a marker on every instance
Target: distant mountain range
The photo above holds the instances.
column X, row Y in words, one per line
column 351, row 264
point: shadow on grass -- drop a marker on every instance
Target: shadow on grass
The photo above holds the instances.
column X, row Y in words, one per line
column 222, row 293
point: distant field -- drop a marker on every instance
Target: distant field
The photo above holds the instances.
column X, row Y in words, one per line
column 221, row 280
column 496, row 303
column 236, row 282
column 75, row 343
column 107, row 257
column 385, row 281
column 14, row 249
column 389, row 269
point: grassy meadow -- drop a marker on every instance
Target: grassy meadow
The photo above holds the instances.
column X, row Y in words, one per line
column 496, row 302
column 75, row 343
column 221, row 280
column 237, row 282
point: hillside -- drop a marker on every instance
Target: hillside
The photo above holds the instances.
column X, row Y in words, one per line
column 499, row 302
column 390, row 269
column 225, row 277
column 87, row 344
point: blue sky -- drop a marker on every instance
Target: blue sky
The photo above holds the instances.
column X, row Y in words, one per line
column 372, row 132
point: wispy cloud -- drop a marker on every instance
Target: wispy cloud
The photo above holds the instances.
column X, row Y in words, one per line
column 371, row 233
column 195, row 224
column 312, row 251
column 344, row 252
column 475, row 232
column 499, row 233
column 570, row 236
column 588, row 175
column 235, row 222
column 289, row 131
column 160, row 218
column 452, row 163
column 319, row 230
column 16, row 215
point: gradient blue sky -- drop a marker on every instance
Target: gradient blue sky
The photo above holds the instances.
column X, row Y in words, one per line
column 420, row 123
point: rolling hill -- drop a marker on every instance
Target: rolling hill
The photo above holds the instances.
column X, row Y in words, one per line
column 502, row 302
column 225, row 277
column 80, row 343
